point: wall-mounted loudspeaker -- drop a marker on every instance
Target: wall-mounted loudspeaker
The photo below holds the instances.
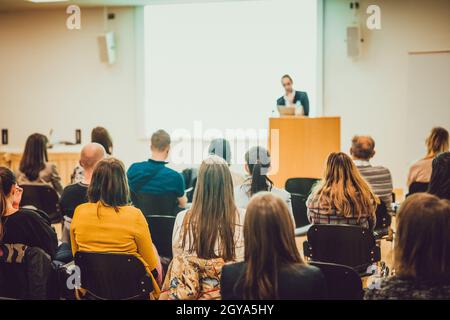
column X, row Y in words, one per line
column 107, row 48
column 353, row 41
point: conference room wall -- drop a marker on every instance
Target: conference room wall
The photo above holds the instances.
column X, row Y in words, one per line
column 52, row 78
column 370, row 93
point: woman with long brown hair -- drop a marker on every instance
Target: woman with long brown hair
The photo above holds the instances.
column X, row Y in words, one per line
column 34, row 166
column 421, row 252
column 273, row 268
column 206, row 236
column 342, row 196
column 212, row 227
column 437, row 142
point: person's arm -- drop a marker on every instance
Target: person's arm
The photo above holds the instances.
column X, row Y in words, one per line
column 305, row 104
column 144, row 244
column 73, row 242
column 55, row 180
column 181, row 186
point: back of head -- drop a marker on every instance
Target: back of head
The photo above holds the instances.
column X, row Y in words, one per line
column 363, row 147
column 222, row 148
column 34, row 156
column 160, row 141
column 213, row 212
column 91, row 154
column 343, row 188
column 109, row 184
column 422, row 248
column 258, row 163
column 437, row 142
column 101, row 136
column 440, row 176
column 7, row 181
column 269, row 244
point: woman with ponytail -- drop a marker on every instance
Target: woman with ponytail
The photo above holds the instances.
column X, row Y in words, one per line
column 257, row 165
column 20, row 225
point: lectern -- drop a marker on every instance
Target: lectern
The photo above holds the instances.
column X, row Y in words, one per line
column 299, row 146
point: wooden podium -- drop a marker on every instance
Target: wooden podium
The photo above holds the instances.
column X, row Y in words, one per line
column 302, row 145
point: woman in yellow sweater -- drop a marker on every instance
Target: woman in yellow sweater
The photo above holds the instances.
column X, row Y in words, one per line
column 107, row 223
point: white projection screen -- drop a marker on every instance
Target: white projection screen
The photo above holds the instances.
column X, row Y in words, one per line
column 220, row 63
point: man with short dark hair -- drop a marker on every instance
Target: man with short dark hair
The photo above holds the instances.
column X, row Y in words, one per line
column 152, row 176
column 378, row 177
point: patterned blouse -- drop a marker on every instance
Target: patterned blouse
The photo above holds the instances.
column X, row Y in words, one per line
column 396, row 288
column 192, row 278
column 319, row 213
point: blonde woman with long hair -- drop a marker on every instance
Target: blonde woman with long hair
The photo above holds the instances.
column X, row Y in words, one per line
column 437, row 143
column 206, row 236
column 342, row 196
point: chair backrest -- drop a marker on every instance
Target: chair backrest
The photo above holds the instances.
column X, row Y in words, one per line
column 299, row 209
column 384, row 219
column 43, row 197
column 417, row 187
column 343, row 283
column 161, row 228
column 156, row 204
column 300, row 185
column 352, row 246
column 111, row 276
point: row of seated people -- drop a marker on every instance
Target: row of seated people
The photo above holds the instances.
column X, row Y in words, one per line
column 218, row 248
column 339, row 165
column 148, row 177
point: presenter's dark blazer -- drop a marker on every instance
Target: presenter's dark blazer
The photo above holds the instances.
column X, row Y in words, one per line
column 299, row 96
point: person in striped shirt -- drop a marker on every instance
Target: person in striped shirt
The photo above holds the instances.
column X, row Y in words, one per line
column 379, row 178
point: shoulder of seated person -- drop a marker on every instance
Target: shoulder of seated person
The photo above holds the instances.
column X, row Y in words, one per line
column 234, row 266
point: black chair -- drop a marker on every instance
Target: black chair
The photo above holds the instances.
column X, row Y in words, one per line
column 299, row 210
column 42, row 197
column 300, row 185
column 383, row 223
column 161, row 228
column 110, row 276
column 348, row 245
column 190, row 179
column 417, row 187
column 156, row 204
column 32, row 278
column 343, row 283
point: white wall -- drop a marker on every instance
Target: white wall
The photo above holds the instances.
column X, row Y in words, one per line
column 51, row 77
column 370, row 93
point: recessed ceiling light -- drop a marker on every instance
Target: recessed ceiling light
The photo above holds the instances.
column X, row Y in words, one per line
column 43, row 1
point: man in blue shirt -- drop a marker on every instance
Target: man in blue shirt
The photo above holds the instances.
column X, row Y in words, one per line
column 153, row 176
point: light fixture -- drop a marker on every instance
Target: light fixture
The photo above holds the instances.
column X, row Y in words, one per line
column 46, row 1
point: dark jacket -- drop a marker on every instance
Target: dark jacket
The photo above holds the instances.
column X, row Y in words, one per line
column 295, row 282
column 299, row 96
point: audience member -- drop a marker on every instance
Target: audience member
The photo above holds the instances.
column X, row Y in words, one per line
column 273, row 267
column 437, row 142
column 222, row 148
column 257, row 165
column 440, row 176
column 109, row 224
column 153, row 177
column 212, row 227
column 98, row 135
column 19, row 225
column 342, row 196
column 378, row 177
column 421, row 253
column 34, row 167
column 206, row 236
column 76, row 194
